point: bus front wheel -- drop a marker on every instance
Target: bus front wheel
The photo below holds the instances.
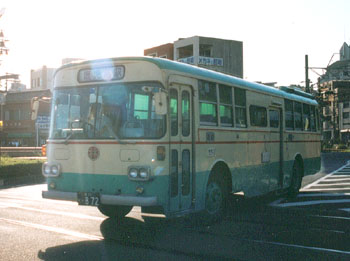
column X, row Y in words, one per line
column 114, row 211
column 215, row 197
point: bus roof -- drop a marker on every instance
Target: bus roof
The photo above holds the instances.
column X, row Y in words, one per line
column 209, row 75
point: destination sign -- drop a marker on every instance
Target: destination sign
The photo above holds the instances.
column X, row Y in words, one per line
column 101, row 74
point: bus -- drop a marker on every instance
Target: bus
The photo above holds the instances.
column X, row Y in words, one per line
column 173, row 138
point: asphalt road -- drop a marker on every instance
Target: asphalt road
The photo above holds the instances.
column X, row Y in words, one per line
column 314, row 226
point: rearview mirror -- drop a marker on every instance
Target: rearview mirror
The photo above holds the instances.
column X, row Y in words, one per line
column 160, row 103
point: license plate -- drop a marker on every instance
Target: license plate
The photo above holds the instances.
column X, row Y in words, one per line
column 88, row 198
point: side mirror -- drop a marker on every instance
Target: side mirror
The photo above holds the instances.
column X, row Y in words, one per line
column 35, row 108
column 160, row 103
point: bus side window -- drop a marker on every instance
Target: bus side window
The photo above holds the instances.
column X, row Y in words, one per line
column 289, row 116
column 313, row 118
column 173, row 112
column 225, row 107
column 306, row 117
column 298, row 116
column 258, row 116
column 240, row 108
column 207, row 103
column 186, row 117
column 274, row 118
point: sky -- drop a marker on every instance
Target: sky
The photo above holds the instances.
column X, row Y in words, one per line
column 276, row 34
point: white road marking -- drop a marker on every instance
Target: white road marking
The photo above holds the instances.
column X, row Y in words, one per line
column 322, row 195
column 309, row 203
column 53, row 229
column 327, row 189
column 321, row 179
column 302, row 247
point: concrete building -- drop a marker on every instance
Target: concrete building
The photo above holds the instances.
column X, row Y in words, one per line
column 334, row 89
column 220, row 55
column 42, row 78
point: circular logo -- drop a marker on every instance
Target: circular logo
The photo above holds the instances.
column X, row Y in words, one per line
column 93, row 153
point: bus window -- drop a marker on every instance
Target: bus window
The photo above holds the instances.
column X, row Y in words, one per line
column 298, row 123
column 288, row 106
column 318, row 120
column 240, row 108
column 186, row 172
column 258, row 116
column 186, row 121
column 274, row 118
column 306, row 117
column 174, row 173
column 141, row 106
column 225, row 108
column 207, row 103
column 313, row 118
column 173, row 112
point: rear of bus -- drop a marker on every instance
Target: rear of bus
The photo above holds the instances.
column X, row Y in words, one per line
column 108, row 136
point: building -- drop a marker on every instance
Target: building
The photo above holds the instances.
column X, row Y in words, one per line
column 18, row 128
column 220, row 55
column 42, row 78
column 334, row 90
column 162, row 51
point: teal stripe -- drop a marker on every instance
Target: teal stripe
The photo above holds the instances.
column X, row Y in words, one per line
column 253, row 180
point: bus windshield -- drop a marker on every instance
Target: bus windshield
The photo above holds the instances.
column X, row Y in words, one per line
column 114, row 111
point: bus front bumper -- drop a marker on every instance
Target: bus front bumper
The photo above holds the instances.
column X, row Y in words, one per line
column 105, row 199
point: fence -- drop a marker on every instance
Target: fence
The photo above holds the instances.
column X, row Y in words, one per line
column 20, row 151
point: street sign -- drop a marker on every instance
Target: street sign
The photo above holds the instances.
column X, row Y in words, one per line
column 43, row 122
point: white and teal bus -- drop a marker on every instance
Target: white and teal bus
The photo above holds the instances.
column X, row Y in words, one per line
column 173, row 138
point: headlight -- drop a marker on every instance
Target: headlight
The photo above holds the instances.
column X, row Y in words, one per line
column 47, row 169
column 51, row 170
column 54, row 170
column 141, row 173
column 133, row 173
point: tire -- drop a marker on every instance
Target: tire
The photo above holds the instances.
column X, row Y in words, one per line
column 297, row 177
column 215, row 201
column 114, row 211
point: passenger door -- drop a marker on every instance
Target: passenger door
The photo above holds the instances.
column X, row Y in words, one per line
column 180, row 148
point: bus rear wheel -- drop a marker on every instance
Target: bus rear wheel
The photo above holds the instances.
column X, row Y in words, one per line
column 297, row 177
column 114, row 211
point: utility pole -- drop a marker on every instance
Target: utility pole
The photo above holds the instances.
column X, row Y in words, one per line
column 307, row 81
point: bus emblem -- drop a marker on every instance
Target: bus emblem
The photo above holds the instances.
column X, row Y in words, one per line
column 93, row 153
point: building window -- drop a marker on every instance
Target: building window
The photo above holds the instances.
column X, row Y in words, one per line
column 346, row 105
column 205, row 50
column 345, row 115
column 186, row 51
